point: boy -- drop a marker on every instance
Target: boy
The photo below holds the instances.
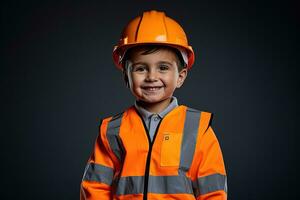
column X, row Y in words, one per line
column 155, row 149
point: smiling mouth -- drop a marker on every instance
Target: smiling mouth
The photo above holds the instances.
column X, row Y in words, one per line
column 151, row 88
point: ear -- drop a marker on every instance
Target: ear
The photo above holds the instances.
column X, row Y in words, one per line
column 181, row 77
column 125, row 77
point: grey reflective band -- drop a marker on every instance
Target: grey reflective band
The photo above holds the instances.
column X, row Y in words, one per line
column 209, row 184
column 157, row 184
column 98, row 173
column 170, row 185
column 190, row 133
column 112, row 134
column 130, row 185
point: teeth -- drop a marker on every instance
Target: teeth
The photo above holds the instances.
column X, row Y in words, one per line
column 153, row 88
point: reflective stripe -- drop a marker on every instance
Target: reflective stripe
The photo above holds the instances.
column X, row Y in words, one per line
column 99, row 173
column 112, row 135
column 190, row 132
column 157, row 184
column 209, row 184
column 170, row 185
column 130, row 185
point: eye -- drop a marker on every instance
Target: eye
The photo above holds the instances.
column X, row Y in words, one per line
column 139, row 68
column 163, row 67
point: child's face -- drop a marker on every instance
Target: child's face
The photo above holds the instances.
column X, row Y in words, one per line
column 154, row 77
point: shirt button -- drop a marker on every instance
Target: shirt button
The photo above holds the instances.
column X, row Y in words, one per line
column 156, row 118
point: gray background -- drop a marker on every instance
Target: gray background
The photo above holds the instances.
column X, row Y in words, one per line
column 57, row 77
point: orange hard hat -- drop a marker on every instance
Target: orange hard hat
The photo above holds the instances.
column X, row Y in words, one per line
column 153, row 27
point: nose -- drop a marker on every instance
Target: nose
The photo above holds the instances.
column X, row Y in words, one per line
column 151, row 76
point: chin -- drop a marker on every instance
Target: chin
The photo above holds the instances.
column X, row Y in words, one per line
column 150, row 100
column 153, row 100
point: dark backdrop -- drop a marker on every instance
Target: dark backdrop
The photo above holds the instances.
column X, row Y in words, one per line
column 57, row 77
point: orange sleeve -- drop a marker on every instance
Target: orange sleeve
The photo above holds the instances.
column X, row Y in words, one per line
column 211, row 180
column 98, row 175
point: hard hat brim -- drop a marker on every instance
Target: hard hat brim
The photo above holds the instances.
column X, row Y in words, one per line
column 120, row 50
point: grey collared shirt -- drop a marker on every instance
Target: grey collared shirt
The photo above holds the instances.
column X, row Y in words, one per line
column 152, row 119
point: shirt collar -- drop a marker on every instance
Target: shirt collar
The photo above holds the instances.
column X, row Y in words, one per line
column 146, row 114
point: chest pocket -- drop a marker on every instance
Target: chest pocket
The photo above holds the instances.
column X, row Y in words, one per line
column 170, row 149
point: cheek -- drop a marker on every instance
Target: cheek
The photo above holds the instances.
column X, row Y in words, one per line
column 171, row 79
column 135, row 80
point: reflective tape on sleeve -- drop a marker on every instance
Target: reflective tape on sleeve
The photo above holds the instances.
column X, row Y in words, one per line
column 190, row 133
column 112, row 134
column 209, row 184
column 98, row 173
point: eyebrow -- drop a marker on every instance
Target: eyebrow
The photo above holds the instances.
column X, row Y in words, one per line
column 164, row 62
column 138, row 63
column 144, row 63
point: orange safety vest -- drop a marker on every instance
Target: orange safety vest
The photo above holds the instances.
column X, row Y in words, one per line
column 184, row 161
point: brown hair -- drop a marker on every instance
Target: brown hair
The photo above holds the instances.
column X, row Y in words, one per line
column 152, row 48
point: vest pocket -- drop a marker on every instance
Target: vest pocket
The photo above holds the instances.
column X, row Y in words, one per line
column 170, row 149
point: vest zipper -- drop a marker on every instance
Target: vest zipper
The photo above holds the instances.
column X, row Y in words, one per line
column 146, row 176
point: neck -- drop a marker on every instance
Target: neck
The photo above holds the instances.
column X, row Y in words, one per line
column 155, row 107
